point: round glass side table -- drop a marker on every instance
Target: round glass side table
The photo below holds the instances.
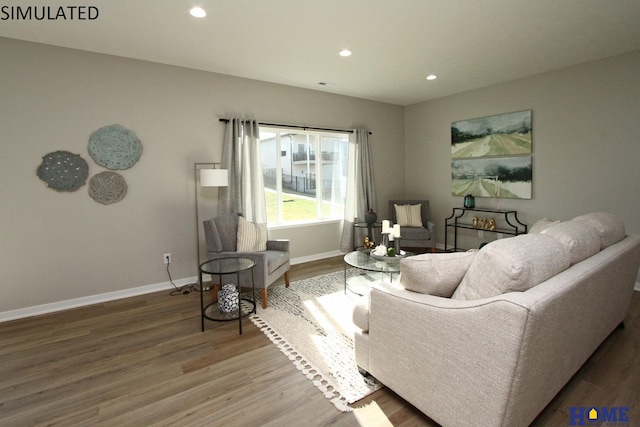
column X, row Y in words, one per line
column 224, row 267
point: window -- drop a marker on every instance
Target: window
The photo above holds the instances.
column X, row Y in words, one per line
column 305, row 174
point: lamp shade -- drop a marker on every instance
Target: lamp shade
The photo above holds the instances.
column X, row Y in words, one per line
column 214, row 177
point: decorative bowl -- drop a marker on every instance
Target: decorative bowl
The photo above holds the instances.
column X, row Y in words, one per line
column 388, row 258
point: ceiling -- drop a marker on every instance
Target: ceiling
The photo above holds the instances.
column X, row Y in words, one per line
column 468, row 44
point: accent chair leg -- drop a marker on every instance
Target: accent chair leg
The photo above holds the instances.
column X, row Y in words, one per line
column 214, row 292
column 264, row 297
column 286, row 278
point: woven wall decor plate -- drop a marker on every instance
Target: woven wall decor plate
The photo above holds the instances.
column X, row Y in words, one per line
column 115, row 147
column 63, row 171
column 107, row 187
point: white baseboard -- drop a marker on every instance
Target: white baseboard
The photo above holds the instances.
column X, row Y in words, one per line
column 126, row 293
column 93, row 299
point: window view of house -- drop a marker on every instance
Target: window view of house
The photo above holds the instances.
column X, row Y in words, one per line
column 305, row 174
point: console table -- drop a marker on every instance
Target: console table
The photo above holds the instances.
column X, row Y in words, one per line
column 458, row 219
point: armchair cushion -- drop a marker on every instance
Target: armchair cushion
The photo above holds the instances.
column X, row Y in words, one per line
column 251, row 237
column 409, row 215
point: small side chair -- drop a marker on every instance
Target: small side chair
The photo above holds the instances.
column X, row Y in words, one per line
column 221, row 238
column 415, row 237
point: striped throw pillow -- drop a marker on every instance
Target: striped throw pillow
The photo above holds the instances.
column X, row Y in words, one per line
column 408, row 215
column 251, row 237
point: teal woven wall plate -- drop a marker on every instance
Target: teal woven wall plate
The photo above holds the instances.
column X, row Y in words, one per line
column 115, row 147
column 63, row 171
column 107, row 187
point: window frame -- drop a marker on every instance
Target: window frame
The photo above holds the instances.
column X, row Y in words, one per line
column 280, row 132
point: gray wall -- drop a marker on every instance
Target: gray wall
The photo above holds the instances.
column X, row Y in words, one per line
column 63, row 246
column 586, row 142
column 57, row 247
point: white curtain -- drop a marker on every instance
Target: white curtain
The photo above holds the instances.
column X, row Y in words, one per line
column 361, row 189
column 241, row 156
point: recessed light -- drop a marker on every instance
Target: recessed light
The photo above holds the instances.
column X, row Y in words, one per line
column 198, row 12
column 432, row 77
column 345, row 52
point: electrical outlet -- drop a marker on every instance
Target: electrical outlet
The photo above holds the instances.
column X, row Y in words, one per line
column 167, row 258
column 480, row 234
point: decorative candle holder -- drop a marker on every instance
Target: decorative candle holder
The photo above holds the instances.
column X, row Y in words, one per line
column 396, row 245
column 385, row 239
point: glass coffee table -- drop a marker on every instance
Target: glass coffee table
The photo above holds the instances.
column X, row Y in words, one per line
column 369, row 270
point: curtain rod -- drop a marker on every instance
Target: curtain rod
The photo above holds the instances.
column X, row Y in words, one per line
column 299, row 127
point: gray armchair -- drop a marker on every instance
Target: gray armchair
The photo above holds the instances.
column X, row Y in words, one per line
column 415, row 237
column 221, row 234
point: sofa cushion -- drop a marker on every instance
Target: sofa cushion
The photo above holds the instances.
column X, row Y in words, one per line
column 409, row 215
column 512, row 264
column 580, row 238
column 252, row 237
column 435, row 274
column 542, row 225
column 610, row 227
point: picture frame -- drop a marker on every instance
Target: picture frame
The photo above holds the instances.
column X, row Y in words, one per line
column 492, row 156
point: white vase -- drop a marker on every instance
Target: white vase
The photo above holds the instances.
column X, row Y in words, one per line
column 228, row 298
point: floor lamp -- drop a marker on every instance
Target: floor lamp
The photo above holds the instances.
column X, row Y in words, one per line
column 207, row 175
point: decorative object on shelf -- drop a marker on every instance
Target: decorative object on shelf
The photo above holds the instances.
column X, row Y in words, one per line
column 228, row 298
column 510, row 224
column 63, row 171
column 107, row 187
column 492, row 224
column 484, row 222
column 115, row 147
column 469, row 201
column 370, row 217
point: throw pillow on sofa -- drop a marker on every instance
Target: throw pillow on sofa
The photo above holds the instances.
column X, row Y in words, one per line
column 512, row 264
column 435, row 274
column 580, row 238
column 610, row 226
column 542, row 225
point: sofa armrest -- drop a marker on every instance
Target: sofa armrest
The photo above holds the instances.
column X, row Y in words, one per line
column 454, row 360
column 360, row 315
column 432, row 229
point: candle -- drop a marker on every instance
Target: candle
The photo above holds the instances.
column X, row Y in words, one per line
column 391, row 236
column 396, row 230
column 385, row 226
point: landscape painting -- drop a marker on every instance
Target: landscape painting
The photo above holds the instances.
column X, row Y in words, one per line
column 502, row 135
column 498, row 177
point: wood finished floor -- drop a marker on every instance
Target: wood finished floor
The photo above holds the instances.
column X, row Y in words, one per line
column 143, row 361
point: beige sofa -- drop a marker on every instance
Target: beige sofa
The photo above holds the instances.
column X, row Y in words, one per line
column 517, row 320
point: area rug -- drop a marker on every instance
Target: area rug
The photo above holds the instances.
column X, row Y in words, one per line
column 310, row 322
